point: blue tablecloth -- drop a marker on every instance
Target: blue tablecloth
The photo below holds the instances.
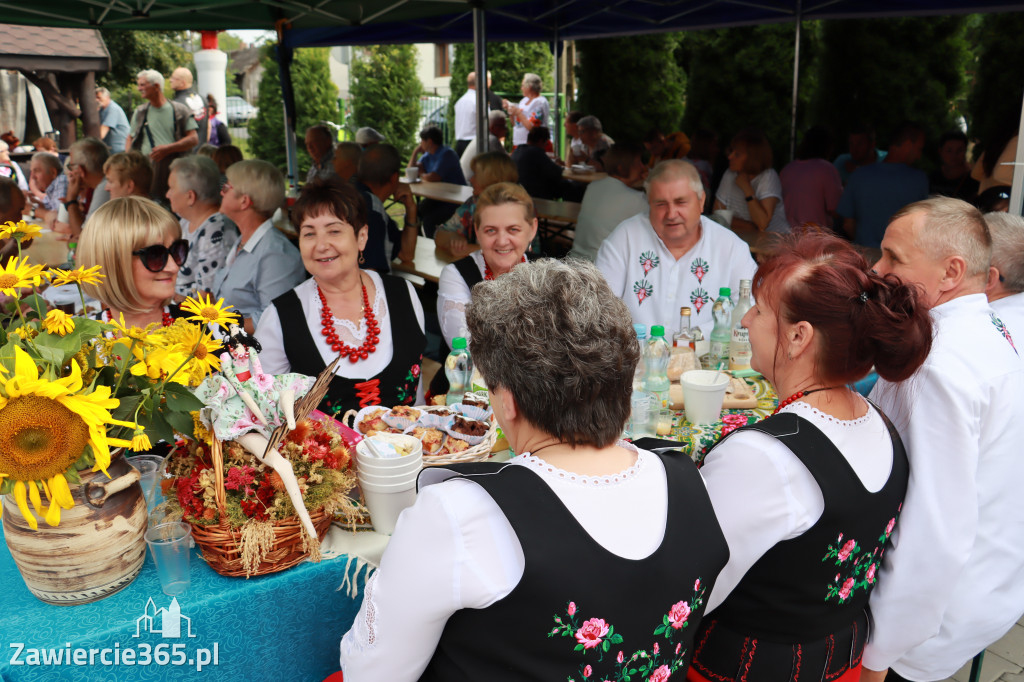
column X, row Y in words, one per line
column 284, row 626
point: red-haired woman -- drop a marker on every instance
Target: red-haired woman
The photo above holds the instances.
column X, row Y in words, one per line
column 808, row 497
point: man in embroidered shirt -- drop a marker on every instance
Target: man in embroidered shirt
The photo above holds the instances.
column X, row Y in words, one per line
column 671, row 256
column 951, row 584
column 1005, row 289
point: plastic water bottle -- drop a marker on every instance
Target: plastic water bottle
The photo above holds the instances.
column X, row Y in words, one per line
column 721, row 335
column 640, row 424
column 656, row 365
column 739, row 345
column 458, row 367
column 638, row 374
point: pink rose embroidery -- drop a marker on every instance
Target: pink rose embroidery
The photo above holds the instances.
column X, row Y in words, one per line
column 656, row 649
column 871, row 573
column 619, row 657
column 678, row 614
column 840, row 538
column 844, row 553
column 660, row 675
column 591, row 633
column 587, row 671
column 678, row 647
column 415, row 371
column 572, row 608
column 696, row 585
column 889, row 526
column 847, row 587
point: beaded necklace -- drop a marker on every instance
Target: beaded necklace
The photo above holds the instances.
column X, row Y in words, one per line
column 165, row 318
column 800, row 394
column 489, row 275
column 355, row 354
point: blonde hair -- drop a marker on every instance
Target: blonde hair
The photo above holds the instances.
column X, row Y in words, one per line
column 260, row 181
column 504, row 193
column 131, row 165
column 118, row 228
column 494, row 167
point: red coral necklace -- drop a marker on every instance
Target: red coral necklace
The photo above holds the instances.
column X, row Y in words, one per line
column 489, row 274
column 800, row 394
column 331, row 333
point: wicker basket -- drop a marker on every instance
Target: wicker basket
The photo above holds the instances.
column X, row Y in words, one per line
column 221, row 543
column 475, row 453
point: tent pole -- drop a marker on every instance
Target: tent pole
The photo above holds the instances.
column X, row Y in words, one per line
column 284, row 62
column 796, row 80
column 556, row 116
column 1017, row 184
column 480, row 64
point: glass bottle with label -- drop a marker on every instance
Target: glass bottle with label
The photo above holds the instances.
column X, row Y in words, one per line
column 683, row 356
column 739, row 345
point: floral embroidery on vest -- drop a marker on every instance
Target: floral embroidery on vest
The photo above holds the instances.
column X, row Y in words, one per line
column 649, row 260
column 656, row 665
column 643, row 290
column 857, row 569
column 406, row 391
column 1001, row 327
column 699, row 298
column 699, row 267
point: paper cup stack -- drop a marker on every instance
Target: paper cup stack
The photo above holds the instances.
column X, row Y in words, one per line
column 388, row 483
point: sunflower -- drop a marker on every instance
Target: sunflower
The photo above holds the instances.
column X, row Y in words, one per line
column 16, row 274
column 22, row 230
column 45, row 426
column 58, row 322
column 199, row 344
column 77, row 276
column 205, row 310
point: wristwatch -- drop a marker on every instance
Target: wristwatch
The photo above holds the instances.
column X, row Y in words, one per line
column 750, row 198
column 70, row 202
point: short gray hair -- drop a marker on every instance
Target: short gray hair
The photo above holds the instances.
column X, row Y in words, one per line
column 675, row 169
column 198, row 174
column 555, row 336
column 589, row 123
column 952, row 227
column 1008, row 248
column 94, row 153
column 49, row 160
column 533, row 82
column 152, row 76
column 103, row 91
column 260, row 181
column 495, row 115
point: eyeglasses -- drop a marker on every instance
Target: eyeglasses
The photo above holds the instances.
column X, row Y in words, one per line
column 154, row 258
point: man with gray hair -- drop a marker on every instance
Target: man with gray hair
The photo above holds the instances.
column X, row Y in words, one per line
column 87, row 186
column 591, row 144
column 113, row 121
column 1005, row 289
column 161, row 129
column 671, row 256
column 950, row 586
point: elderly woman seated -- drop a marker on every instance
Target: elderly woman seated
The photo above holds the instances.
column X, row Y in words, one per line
column 128, row 174
column 263, row 264
column 193, row 189
column 456, row 235
column 558, row 352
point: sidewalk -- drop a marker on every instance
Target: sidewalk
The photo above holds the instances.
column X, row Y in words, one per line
column 1004, row 660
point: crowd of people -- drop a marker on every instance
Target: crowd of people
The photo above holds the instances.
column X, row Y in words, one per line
column 842, row 538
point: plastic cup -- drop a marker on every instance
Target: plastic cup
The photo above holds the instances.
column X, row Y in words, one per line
column 151, row 490
column 386, row 502
column 723, row 216
column 363, row 453
column 703, row 393
column 147, row 478
column 386, row 479
column 169, row 544
column 663, row 426
column 412, row 173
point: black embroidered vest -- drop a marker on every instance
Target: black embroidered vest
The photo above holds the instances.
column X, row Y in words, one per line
column 396, row 384
column 580, row 611
column 801, row 609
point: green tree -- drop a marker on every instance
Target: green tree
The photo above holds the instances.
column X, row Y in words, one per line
column 385, row 93
column 316, row 100
column 884, row 71
column 134, row 51
column 507, row 63
column 994, row 102
column 631, row 84
column 743, row 77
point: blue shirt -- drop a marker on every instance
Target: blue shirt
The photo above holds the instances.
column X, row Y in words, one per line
column 877, row 191
column 444, row 162
column 259, row 271
column 113, row 117
column 843, row 159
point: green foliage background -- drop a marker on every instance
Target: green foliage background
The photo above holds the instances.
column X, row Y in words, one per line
column 632, row 84
column 507, row 63
column 385, row 93
column 134, row 51
column 995, row 99
column 316, row 100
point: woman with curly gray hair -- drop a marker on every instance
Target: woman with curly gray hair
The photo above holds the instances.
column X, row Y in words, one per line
column 516, row 570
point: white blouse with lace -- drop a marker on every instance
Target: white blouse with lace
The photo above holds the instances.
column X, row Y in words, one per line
column 452, row 298
column 454, row 549
column 270, row 336
column 763, row 494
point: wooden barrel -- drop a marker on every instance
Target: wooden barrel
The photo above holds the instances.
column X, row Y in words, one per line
column 97, row 549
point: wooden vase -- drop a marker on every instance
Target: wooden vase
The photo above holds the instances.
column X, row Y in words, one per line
column 98, row 547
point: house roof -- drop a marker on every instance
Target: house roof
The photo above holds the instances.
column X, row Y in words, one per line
column 39, row 48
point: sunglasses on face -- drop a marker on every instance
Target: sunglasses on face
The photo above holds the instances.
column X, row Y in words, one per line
column 154, row 258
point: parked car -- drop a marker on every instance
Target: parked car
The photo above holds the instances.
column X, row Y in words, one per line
column 239, row 111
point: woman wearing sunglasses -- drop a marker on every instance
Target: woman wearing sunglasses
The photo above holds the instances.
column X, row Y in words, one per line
column 138, row 245
column 375, row 322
